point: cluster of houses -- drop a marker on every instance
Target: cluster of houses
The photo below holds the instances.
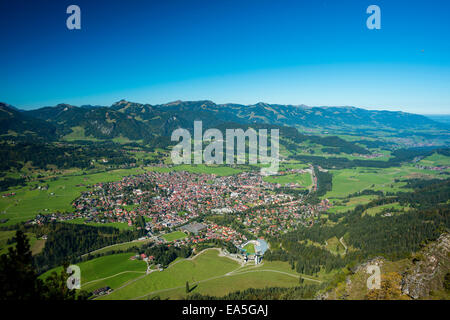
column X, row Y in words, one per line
column 9, row 194
column 171, row 199
column 204, row 232
column 434, row 168
column 224, row 233
column 102, row 291
column 263, row 220
column 274, row 220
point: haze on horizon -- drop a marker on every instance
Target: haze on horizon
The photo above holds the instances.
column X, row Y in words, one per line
column 316, row 53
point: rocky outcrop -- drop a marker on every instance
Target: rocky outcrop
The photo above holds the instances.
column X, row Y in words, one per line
column 429, row 270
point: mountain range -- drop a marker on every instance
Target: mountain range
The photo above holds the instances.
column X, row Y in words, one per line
column 136, row 121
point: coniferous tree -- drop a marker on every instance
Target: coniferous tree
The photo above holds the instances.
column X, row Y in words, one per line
column 19, row 280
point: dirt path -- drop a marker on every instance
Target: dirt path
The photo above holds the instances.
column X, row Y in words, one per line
column 115, row 275
column 341, row 240
column 313, row 180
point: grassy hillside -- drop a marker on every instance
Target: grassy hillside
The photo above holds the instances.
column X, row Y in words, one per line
column 209, row 273
column 112, row 270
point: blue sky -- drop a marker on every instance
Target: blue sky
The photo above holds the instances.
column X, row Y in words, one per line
column 242, row 51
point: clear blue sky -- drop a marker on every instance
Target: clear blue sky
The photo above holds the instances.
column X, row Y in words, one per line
column 244, row 51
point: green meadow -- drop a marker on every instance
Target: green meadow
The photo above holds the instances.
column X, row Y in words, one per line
column 348, row 181
column 390, row 206
column 303, row 179
column 268, row 274
column 118, row 225
column 341, row 206
column 30, row 201
column 292, row 164
column 435, row 159
column 176, row 235
column 209, row 273
column 78, row 134
column 36, row 245
column 335, row 246
column 249, row 248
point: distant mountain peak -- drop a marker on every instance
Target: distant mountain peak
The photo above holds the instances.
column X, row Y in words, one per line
column 120, row 102
column 188, row 103
column 8, row 106
column 262, row 104
column 173, row 103
column 65, row 106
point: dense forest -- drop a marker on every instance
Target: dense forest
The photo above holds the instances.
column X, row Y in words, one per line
column 164, row 254
column 67, row 242
column 62, row 156
column 217, row 243
column 275, row 293
column 324, row 181
column 306, row 259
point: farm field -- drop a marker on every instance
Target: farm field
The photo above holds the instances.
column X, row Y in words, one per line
column 435, row 159
column 304, row 180
column 4, row 236
column 203, row 266
column 292, row 164
column 341, row 206
column 348, row 181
